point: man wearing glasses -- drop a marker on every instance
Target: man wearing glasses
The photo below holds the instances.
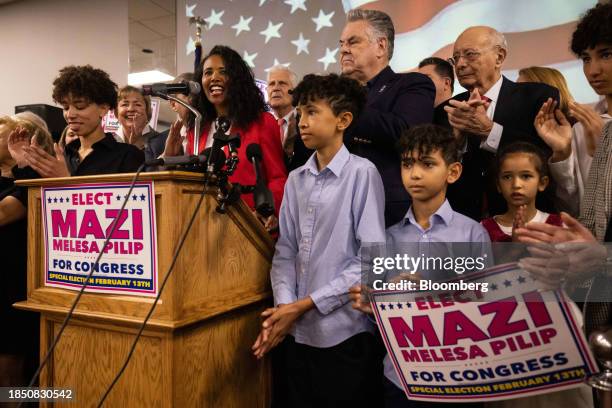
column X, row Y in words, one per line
column 494, row 110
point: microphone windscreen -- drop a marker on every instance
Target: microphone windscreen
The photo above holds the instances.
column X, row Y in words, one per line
column 194, row 87
column 253, row 150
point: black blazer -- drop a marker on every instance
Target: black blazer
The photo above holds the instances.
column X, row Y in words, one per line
column 515, row 110
column 395, row 102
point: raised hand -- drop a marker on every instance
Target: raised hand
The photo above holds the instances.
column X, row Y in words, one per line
column 174, row 142
column 591, row 122
column 470, row 116
column 519, row 222
column 45, row 164
column 554, row 128
column 18, row 140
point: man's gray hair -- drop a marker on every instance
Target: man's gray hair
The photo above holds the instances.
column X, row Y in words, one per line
column 381, row 24
column 499, row 40
column 292, row 75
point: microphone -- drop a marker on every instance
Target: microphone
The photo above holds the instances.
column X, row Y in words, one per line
column 186, row 160
column 184, row 87
column 219, row 137
column 264, row 201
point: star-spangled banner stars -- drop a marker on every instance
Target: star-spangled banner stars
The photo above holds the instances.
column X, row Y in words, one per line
column 189, row 10
column 242, row 25
column 271, row 31
column 275, row 63
column 323, row 20
column 249, row 58
column 190, row 46
column 303, row 33
column 328, row 58
column 302, row 44
column 296, row 4
column 214, row 19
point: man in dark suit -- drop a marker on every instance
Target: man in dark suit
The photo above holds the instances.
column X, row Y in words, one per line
column 395, row 101
column 494, row 110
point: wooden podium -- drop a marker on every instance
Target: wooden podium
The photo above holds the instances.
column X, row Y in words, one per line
column 196, row 348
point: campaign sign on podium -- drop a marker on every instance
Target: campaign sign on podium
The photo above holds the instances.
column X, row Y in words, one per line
column 78, row 219
column 470, row 345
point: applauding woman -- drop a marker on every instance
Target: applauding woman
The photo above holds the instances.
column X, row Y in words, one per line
column 229, row 91
column 86, row 94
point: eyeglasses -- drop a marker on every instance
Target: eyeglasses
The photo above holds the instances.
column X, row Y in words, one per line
column 469, row 56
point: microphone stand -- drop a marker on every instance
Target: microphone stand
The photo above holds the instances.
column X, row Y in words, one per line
column 198, row 119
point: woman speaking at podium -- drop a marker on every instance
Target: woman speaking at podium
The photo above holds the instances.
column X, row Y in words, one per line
column 229, row 91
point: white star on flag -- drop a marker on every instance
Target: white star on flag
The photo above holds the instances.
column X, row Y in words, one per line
column 296, row 4
column 189, row 10
column 261, row 2
column 190, row 46
column 301, row 44
column 242, row 25
column 323, row 20
column 275, row 63
column 249, row 58
column 271, row 31
column 214, row 19
column 329, row 57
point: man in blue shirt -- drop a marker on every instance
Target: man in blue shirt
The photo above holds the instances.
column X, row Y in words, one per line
column 430, row 162
column 332, row 206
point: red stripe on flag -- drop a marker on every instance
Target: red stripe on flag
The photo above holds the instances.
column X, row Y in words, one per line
column 532, row 48
column 409, row 15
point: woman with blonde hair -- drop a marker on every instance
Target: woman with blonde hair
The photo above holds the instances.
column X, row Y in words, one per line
column 552, row 77
column 19, row 347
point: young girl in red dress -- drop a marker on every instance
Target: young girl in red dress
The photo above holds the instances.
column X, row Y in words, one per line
column 522, row 174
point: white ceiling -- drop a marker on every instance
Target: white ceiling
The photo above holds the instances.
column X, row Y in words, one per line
column 152, row 25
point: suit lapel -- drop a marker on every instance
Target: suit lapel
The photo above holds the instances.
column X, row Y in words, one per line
column 506, row 91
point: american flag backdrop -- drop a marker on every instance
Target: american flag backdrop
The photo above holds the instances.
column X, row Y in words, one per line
column 304, row 34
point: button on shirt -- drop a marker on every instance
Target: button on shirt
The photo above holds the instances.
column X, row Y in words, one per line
column 445, row 226
column 325, row 218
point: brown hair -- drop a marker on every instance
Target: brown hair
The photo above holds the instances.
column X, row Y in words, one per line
column 552, row 77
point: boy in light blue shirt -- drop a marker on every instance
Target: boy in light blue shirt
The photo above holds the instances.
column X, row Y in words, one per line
column 430, row 162
column 332, row 206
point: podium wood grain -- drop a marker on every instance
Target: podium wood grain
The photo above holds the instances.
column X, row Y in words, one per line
column 195, row 351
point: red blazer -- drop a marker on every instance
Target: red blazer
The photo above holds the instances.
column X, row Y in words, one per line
column 266, row 132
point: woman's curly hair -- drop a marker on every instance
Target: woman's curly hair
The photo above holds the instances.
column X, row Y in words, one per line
column 245, row 102
column 86, row 82
column 343, row 94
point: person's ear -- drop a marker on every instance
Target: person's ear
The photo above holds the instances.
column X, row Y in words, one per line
column 501, row 56
column 543, row 183
column 344, row 120
column 103, row 109
column 448, row 84
column 383, row 47
column 454, row 172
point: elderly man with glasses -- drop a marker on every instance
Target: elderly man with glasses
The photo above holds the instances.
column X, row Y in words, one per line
column 494, row 111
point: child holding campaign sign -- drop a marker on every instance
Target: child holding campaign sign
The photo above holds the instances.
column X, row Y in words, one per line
column 332, row 206
column 430, row 162
column 521, row 174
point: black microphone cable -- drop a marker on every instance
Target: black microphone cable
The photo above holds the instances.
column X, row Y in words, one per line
column 161, row 288
column 82, row 290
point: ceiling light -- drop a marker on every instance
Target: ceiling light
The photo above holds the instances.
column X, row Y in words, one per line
column 148, row 77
